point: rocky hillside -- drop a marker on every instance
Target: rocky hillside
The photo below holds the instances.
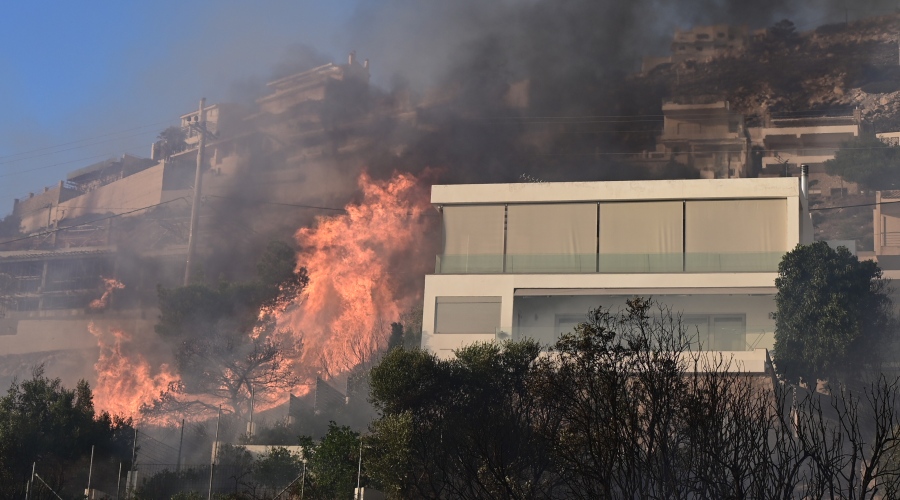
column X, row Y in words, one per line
column 782, row 72
column 834, row 67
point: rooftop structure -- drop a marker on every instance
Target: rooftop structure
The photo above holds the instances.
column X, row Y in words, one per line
column 311, row 85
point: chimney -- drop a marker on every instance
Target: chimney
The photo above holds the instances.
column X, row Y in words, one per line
column 366, row 64
column 804, row 180
column 352, row 58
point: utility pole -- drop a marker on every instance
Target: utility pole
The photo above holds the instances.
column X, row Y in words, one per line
column 30, row 484
column 250, row 428
column 180, row 443
column 212, row 466
column 90, row 472
column 359, row 471
column 129, row 483
column 195, row 203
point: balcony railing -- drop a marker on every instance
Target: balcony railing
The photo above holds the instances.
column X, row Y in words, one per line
column 699, row 262
column 748, row 339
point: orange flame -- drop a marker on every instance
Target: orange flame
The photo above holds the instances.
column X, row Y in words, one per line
column 363, row 271
column 109, row 285
column 125, row 381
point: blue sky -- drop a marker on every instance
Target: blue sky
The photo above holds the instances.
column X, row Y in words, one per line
column 81, row 82
column 85, row 81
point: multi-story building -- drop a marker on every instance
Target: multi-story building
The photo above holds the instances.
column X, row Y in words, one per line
column 702, row 44
column 788, row 142
column 530, row 260
column 709, row 137
column 886, row 225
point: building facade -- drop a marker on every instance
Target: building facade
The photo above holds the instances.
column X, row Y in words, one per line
column 530, row 260
column 787, row 143
column 709, row 137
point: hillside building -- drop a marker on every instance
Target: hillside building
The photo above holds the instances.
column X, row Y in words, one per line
column 702, row 44
column 530, row 260
column 709, row 137
column 788, row 143
column 311, row 85
column 127, row 218
column 886, row 226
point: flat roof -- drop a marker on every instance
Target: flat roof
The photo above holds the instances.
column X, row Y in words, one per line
column 678, row 189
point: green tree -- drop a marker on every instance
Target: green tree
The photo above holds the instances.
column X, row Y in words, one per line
column 468, row 427
column 43, row 422
column 172, row 141
column 224, row 336
column 277, row 468
column 334, row 463
column 10, row 226
column 833, row 315
column 867, row 161
column 621, row 408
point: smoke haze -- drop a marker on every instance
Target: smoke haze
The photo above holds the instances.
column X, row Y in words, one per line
column 443, row 74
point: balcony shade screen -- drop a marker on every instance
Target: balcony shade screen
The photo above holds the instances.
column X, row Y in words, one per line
column 552, row 238
column 735, row 235
column 641, row 236
column 467, row 315
column 473, row 239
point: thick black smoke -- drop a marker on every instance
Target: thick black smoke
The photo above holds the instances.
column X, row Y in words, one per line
column 455, row 67
column 421, row 40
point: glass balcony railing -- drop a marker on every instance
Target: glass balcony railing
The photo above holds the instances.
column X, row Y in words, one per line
column 753, row 337
column 551, row 263
column 609, row 263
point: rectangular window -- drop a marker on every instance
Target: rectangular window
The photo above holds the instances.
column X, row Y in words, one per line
column 735, row 235
column 473, row 239
column 467, row 315
column 641, row 236
column 552, row 238
column 566, row 323
column 716, row 332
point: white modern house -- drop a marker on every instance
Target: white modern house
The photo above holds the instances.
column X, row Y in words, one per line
column 531, row 259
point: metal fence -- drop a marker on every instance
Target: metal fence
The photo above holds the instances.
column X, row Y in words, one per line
column 165, row 481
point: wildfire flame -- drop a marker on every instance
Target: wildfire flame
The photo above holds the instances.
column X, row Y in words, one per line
column 109, row 285
column 125, row 380
column 363, row 267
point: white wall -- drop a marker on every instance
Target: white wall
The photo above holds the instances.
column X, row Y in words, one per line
column 507, row 286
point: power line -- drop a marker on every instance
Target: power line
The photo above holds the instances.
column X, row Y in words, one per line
column 276, row 203
column 51, row 231
column 17, row 172
column 693, row 113
column 44, row 148
column 854, row 206
column 50, row 153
